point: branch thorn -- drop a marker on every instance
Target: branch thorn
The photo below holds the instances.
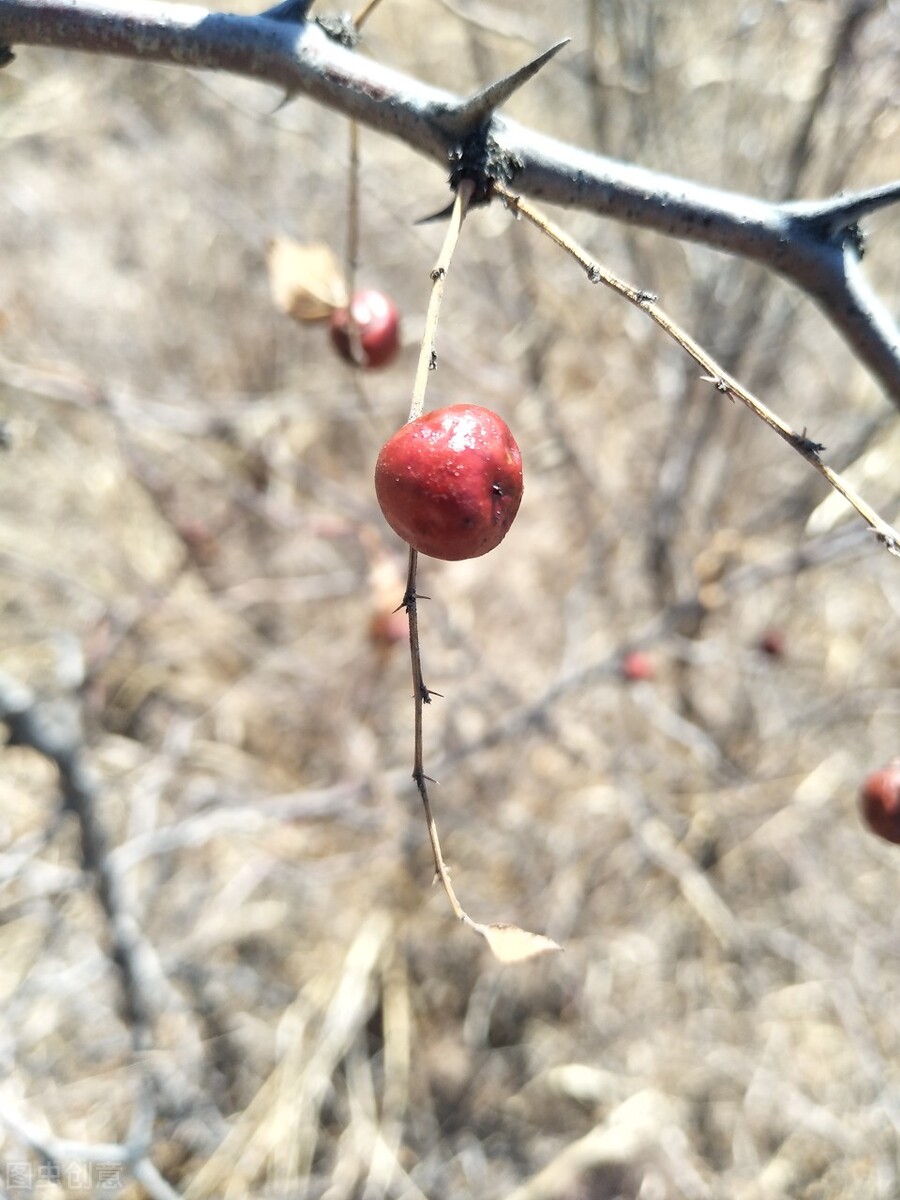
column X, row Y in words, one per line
column 409, row 600
column 442, row 215
column 291, row 12
column 806, row 445
column 719, row 383
column 465, row 117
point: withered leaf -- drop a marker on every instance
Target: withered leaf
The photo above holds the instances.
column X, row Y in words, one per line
column 305, row 279
column 512, row 945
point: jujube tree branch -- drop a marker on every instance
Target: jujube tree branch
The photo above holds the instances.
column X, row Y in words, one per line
column 817, row 246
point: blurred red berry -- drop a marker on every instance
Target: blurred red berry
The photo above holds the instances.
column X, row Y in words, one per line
column 387, row 629
column 637, row 667
column 200, row 541
column 773, row 643
column 377, row 321
column 879, row 801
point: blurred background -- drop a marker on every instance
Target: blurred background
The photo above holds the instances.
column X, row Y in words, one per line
column 192, row 562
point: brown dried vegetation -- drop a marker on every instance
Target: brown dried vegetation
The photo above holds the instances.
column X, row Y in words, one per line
column 191, row 541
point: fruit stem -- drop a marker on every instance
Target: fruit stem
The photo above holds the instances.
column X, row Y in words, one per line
column 421, row 696
column 351, row 253
column 365, row 12
column 438, row 276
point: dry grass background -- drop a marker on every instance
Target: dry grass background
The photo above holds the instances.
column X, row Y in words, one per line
column 190, row 541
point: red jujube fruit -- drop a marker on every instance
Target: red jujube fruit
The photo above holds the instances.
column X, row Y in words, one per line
column 450, row 482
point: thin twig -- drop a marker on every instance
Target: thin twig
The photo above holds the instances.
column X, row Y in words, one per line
column 422, row 696
column 427, row 356
column 351, row 261
column 365, row 12
column 725, row 383
column 351, row 249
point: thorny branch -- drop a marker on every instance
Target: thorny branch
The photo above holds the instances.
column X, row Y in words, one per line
column 814, row 245
column 725, row 383
column 421, row 693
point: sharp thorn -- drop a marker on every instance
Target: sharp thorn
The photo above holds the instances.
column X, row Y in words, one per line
column 287, row 99
column 292, row 12
column 443, row 215
column 471, row 113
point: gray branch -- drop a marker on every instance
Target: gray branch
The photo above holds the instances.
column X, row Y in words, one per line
column 53, row 729
column 814, row 245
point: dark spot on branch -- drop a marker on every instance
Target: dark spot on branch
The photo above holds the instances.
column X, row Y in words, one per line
column 340, row 29
column 854, row 236
column 807, row 447
column 6, row 56
column 479, row 159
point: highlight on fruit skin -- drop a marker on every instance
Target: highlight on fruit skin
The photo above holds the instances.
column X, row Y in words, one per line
column 377, row 329
column 879, row 801
column 450, row 482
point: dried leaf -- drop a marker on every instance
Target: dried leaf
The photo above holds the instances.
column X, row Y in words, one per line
column 512, row 945
column 305, row 279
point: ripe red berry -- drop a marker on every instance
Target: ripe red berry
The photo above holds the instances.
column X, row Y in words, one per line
column 637, row 667
column 773, row 643
column 450, row 483
column 377, row 322
column 879, row 801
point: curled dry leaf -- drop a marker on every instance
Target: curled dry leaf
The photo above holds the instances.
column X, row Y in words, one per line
column 511, row 944
column 305, row 279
